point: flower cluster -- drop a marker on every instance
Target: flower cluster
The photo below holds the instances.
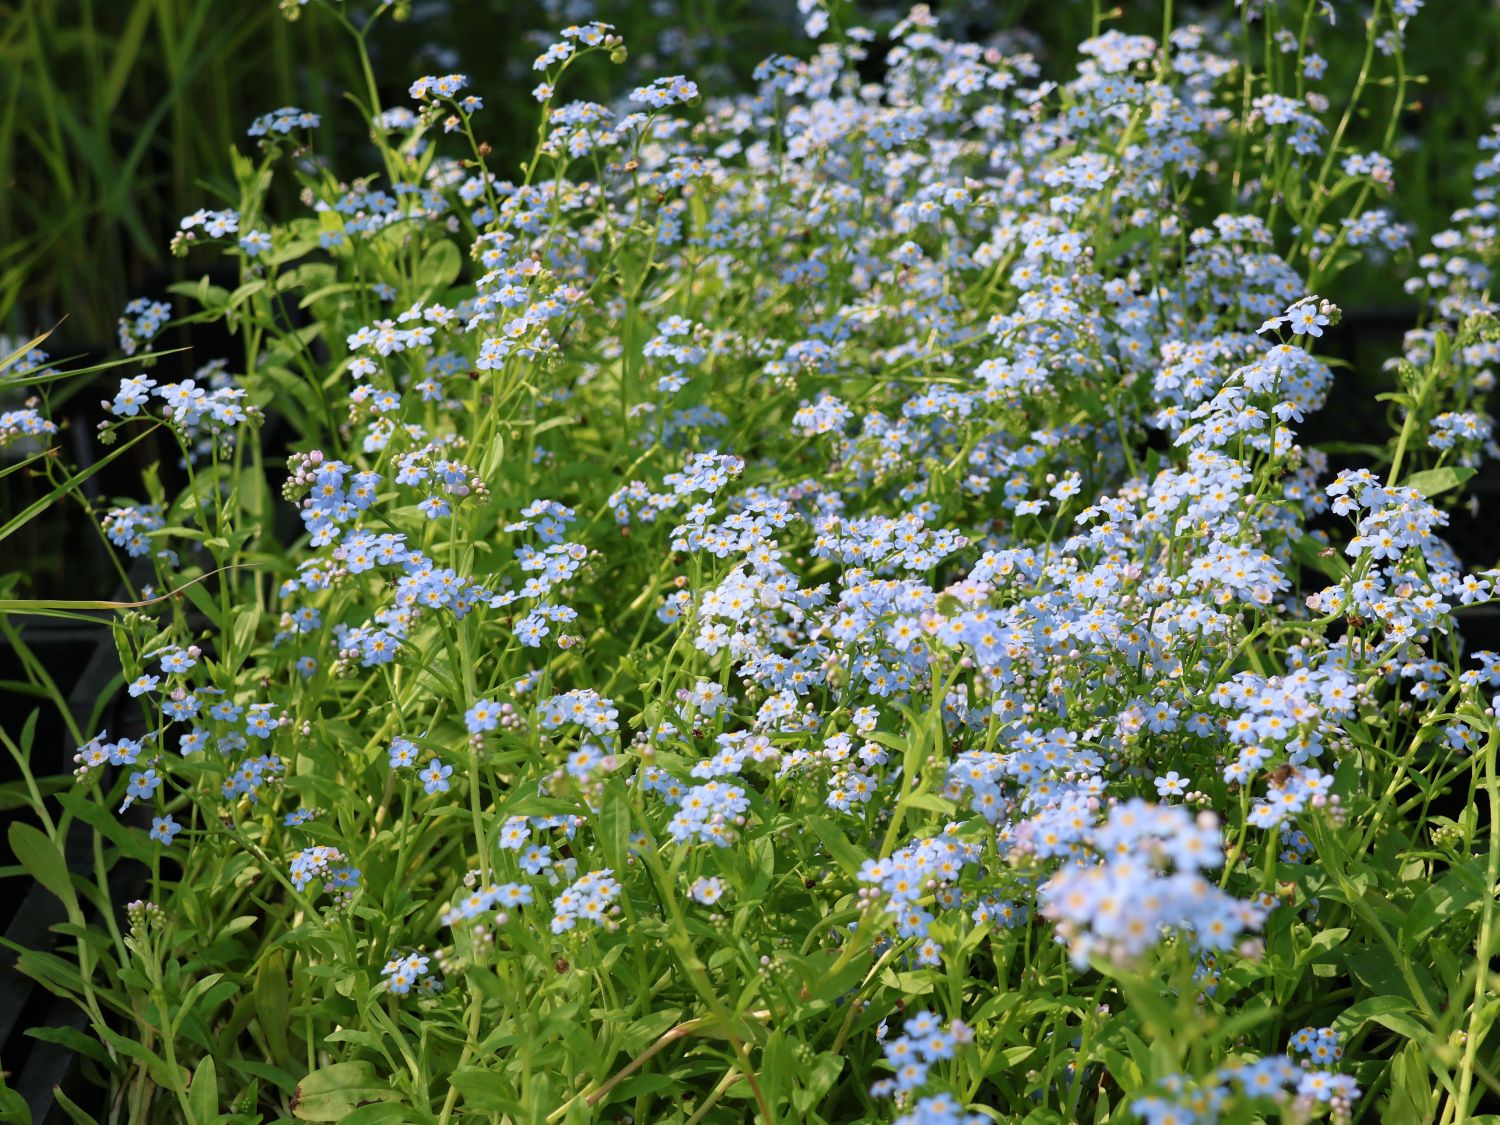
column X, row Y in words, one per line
column 325, row 864
column 25, row 422
column 141, row 322
column 1145, row 881
column 795, row 556
column 1277, row 1078
column 591, row 898
column 283, row 121
column 924, row 1041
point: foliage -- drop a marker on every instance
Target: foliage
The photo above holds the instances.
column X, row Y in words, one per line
column 808, row 605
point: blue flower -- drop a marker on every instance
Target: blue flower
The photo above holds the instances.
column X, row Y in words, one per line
column 142, row 684
column 483, row 716
column 1172, row 784
column 140, row 788
column 255, row 243
column 434, row 778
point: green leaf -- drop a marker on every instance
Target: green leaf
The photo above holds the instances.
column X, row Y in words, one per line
column 246, row 621
column 155, row 1065
column 203, row 1094
column 131, row 843
column 778, row 1062
column 1322, row 942
column 204, row 601
column 52, row 972
column 21, row 466
column 326, row 291
column 817, row 1081
column 440, row 266
column 1441, row 901
column 43, row 860
column 331, row 1093
column 1119, row 247
column 74, row 1040
column 1442, row 349
column 1411, row 1092
column 931, row 802
column 377, row 1113
column 1375, row 968
column 245, row 292
column 889, row 741
column 13, row 1106
column 1309, row 552
column 185, row 1004
column 17, row 795
column 649, row 1028
column 614, row 824
column 26, row 347
column 483, row 1091
column 555, row 423
column 1370, row 1009
column 845, row 854
column 74, row 1111
column 1434, row 482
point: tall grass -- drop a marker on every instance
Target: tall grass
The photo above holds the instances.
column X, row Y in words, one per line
column 113, row 113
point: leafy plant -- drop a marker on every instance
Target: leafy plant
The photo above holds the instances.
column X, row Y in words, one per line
column 808, row 605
